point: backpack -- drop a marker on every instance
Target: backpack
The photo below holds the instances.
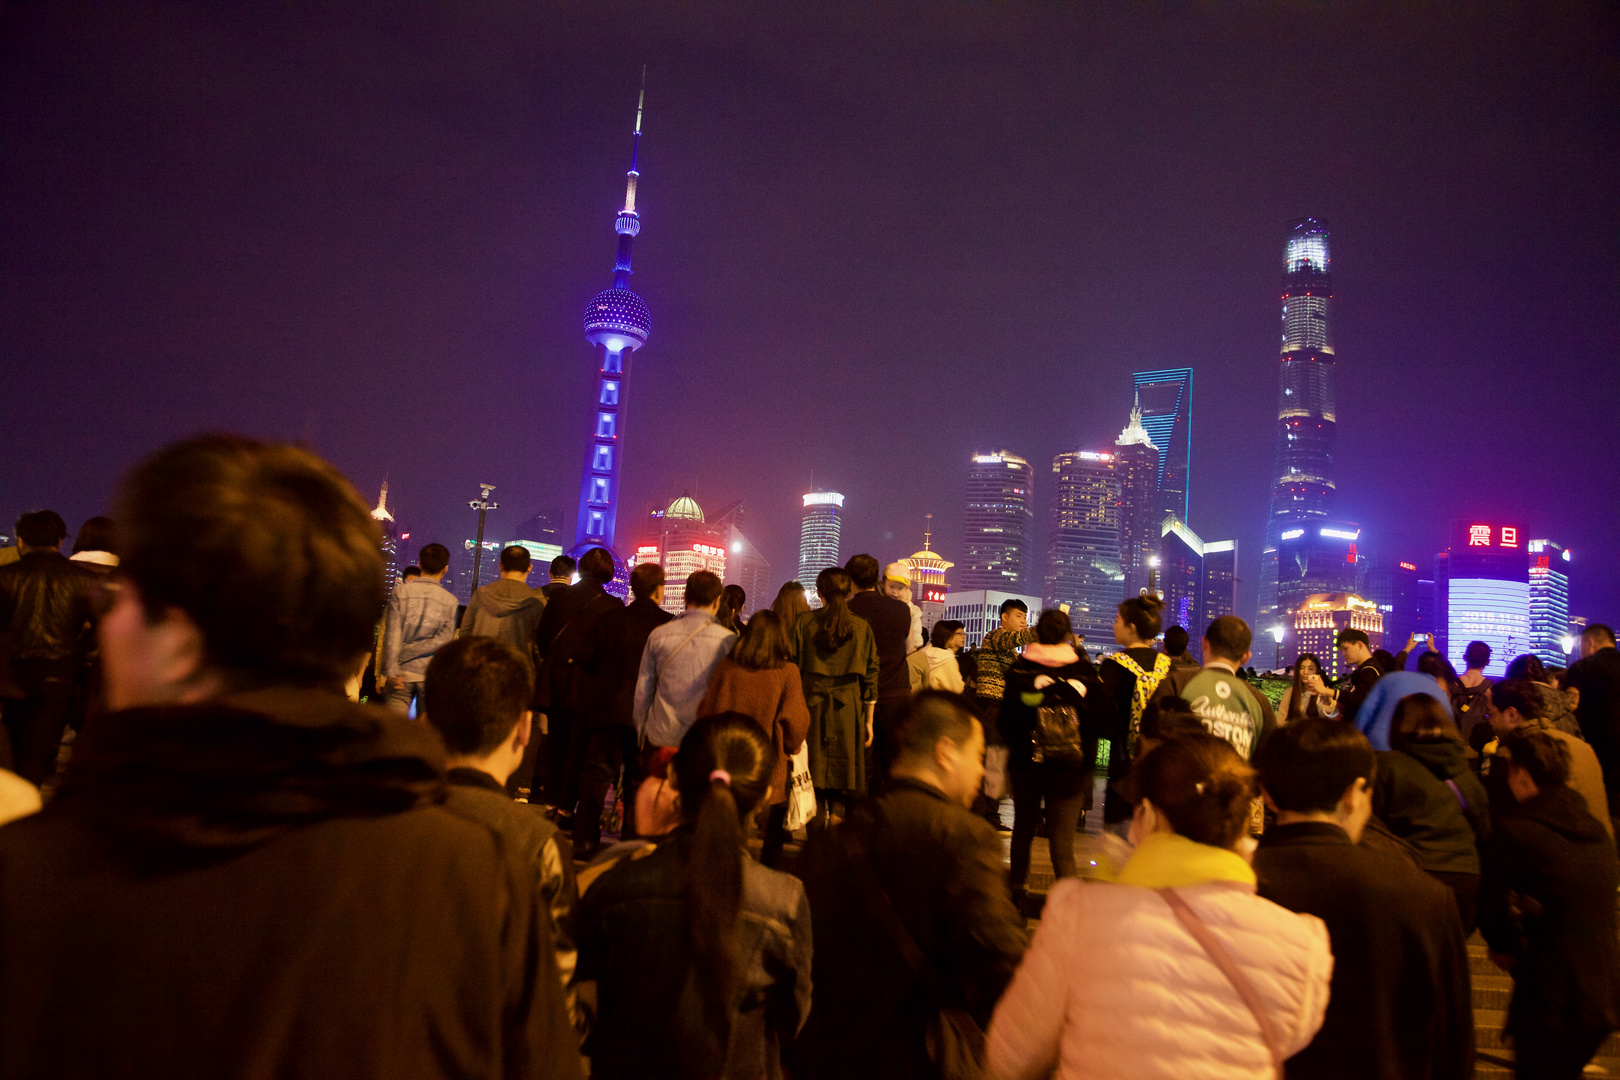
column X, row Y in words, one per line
column 1057, row 734
column 1146, row 683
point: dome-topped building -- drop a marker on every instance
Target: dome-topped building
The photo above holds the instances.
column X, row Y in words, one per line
column 680, row 539
column 927, row 566
column 684, row 508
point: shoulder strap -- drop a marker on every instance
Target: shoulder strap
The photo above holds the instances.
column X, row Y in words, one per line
column 558, row 635
column 1457, row 791
column 1234, row 974
column 1123, row 659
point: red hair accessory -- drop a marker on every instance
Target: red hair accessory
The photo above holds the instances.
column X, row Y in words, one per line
column 720, row 775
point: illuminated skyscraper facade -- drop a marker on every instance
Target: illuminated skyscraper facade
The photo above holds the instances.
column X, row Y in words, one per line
column 1181, row 579
column 1486, row 592
column 819, row 535
column 384, row 518
column 1165, row 398
column 1220, row 579
column 1136, row 464
column 999, row 523
column 682, row 542
column 617, row 322
column 1303, row 477
column 1549, row 600
column 1082, row 544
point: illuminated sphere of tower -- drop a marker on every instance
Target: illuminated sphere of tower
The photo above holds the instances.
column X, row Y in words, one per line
column 618, row 319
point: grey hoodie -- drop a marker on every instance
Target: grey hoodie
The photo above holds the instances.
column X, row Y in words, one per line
column 506, row 610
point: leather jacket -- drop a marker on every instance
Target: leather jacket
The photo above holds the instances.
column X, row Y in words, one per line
column 45, row 608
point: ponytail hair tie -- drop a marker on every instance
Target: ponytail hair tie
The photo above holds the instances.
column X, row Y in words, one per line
column 720, row 775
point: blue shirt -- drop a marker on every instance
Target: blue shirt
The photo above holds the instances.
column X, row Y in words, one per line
column 1379, row 709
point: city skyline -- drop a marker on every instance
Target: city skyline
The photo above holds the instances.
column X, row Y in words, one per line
column 831, row 229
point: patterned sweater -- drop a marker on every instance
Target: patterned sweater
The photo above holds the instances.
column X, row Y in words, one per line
column 996, row 655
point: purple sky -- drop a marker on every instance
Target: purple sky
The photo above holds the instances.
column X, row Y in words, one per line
column 875, row 240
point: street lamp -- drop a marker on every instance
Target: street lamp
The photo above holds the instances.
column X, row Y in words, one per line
column 483, row 506
column 1277, row 633
column 1568, row 642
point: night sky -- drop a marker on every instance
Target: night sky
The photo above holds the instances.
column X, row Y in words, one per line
column 875, row 239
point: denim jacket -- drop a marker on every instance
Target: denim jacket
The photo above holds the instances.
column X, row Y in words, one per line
column 421, row 617
column 676, row 667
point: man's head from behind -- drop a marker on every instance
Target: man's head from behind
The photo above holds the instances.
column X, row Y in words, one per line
column 703, row 591
column 1596, row 637
column 1354, row 646
column 477, row 698
column 863, row 571
column 940, row 742
column 1320, row 769
column 1176, row 640
column 433, row 559
column 515, row 559
column 596, row 565
column 1228, row 639
column 647, row 581
column 562, row 568
column 41, row 530
column 1477, row 655
column 247, row 564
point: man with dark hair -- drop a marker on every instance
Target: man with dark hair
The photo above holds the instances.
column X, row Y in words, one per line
column 1518, row 705
column 998, row 652
column 1596, row 677
column 1471, row 695
column 278, row 890
column 677, row 663
column 1400, row 1002
column 506, row 609
column 890, row 620
column 611, row 742
column 1217, row 693
column 568, row 643
column 478, row 695
column 562, row 575
column 421, row 618
column 1176, row 640
column 44, row 638
column 1345, row 700
column 917, row 851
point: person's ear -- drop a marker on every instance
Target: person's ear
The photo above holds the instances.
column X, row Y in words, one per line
column 523, row 731
column 945, row 753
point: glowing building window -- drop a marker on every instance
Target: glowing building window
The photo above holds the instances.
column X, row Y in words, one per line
column 596, row 523
column 602, row 460
column 599, row 490
column 613, row 364
column 607, row 425
column 610, row 392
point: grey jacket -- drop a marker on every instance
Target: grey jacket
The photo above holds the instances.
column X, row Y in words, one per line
column 506, row 610
column 421, row 617
column 676, row 666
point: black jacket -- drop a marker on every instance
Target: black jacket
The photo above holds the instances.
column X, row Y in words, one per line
column 1354, row 688
column 268, row 886
column 624, row 638
column 569, row 644
column 942, row 867
column 891, row 626
column 1410, row 795
column 1597, row 677
column 1400, row 1005
column 1017, row 718
column 1547, row 898
column 635, row 946
column 45, row 608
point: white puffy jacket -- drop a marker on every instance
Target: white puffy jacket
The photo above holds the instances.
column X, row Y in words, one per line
column 1114, row 986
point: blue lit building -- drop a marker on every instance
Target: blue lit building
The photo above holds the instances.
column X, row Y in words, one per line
column 1549, row 601
column 819, row 536
column 617, row 322
column 1165, row 398
column 1307, row 420
column 1485, row 592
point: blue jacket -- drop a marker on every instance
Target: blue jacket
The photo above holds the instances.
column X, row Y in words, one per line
column 421, row 617
column 1378, row 709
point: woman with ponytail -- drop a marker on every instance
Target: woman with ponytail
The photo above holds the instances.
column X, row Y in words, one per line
column 1177, row 969
column 699, row 956
column 837, row 658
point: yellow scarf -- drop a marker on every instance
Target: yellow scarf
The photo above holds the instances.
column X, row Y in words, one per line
column 1168, row 861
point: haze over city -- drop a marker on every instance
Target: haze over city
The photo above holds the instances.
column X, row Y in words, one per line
column 873, row 241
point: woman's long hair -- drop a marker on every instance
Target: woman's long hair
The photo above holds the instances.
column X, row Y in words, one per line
column 764, row 645
column 790, row 604
column 716, row 807
column 1295, row 708
column 732, row 599
column 836, row 624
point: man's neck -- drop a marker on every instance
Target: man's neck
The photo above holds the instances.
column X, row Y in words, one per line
column 1290, row 817
column 514, row 575
column 1223, row 663
column 476, row 764
column 434, row 578
column 917, row 774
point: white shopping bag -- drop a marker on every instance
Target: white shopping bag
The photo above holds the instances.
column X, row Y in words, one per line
column 801, row 793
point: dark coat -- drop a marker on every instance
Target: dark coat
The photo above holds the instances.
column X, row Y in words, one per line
column 1547, row 899
column 942, row 867
column 268, row 886
column 1400, row 1005
column 568, row 642
column 1017, row 719
column 771, row 697
column 1410, row 796
column 625, row 632
column 1354, row 688
column 45, row 608
column 890, row 620
column 1597, row 677
column 635, row 945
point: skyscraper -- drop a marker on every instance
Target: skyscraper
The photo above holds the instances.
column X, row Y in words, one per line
column 1220, row 579
column 1082, row 544
column 1392, row 584
column 1165, row 398
column 818, row 538
column 1486, row 583
column 681, row 541
column 1549, row 600
column 999, row 523
column 384, row 518
column 746, row 568
column 1181, row 579
column 617, row 322
column 1136, row 463
column 1302, row 480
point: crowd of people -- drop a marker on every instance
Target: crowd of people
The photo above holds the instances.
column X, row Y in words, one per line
column 293, row 824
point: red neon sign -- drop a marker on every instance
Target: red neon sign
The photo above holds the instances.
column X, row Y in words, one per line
column 1407, row 566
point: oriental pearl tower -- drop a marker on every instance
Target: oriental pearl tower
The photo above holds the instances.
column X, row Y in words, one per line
column 617, row 323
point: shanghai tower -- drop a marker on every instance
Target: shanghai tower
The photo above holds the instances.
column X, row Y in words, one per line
column 617, row 322
column 1305, row 551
